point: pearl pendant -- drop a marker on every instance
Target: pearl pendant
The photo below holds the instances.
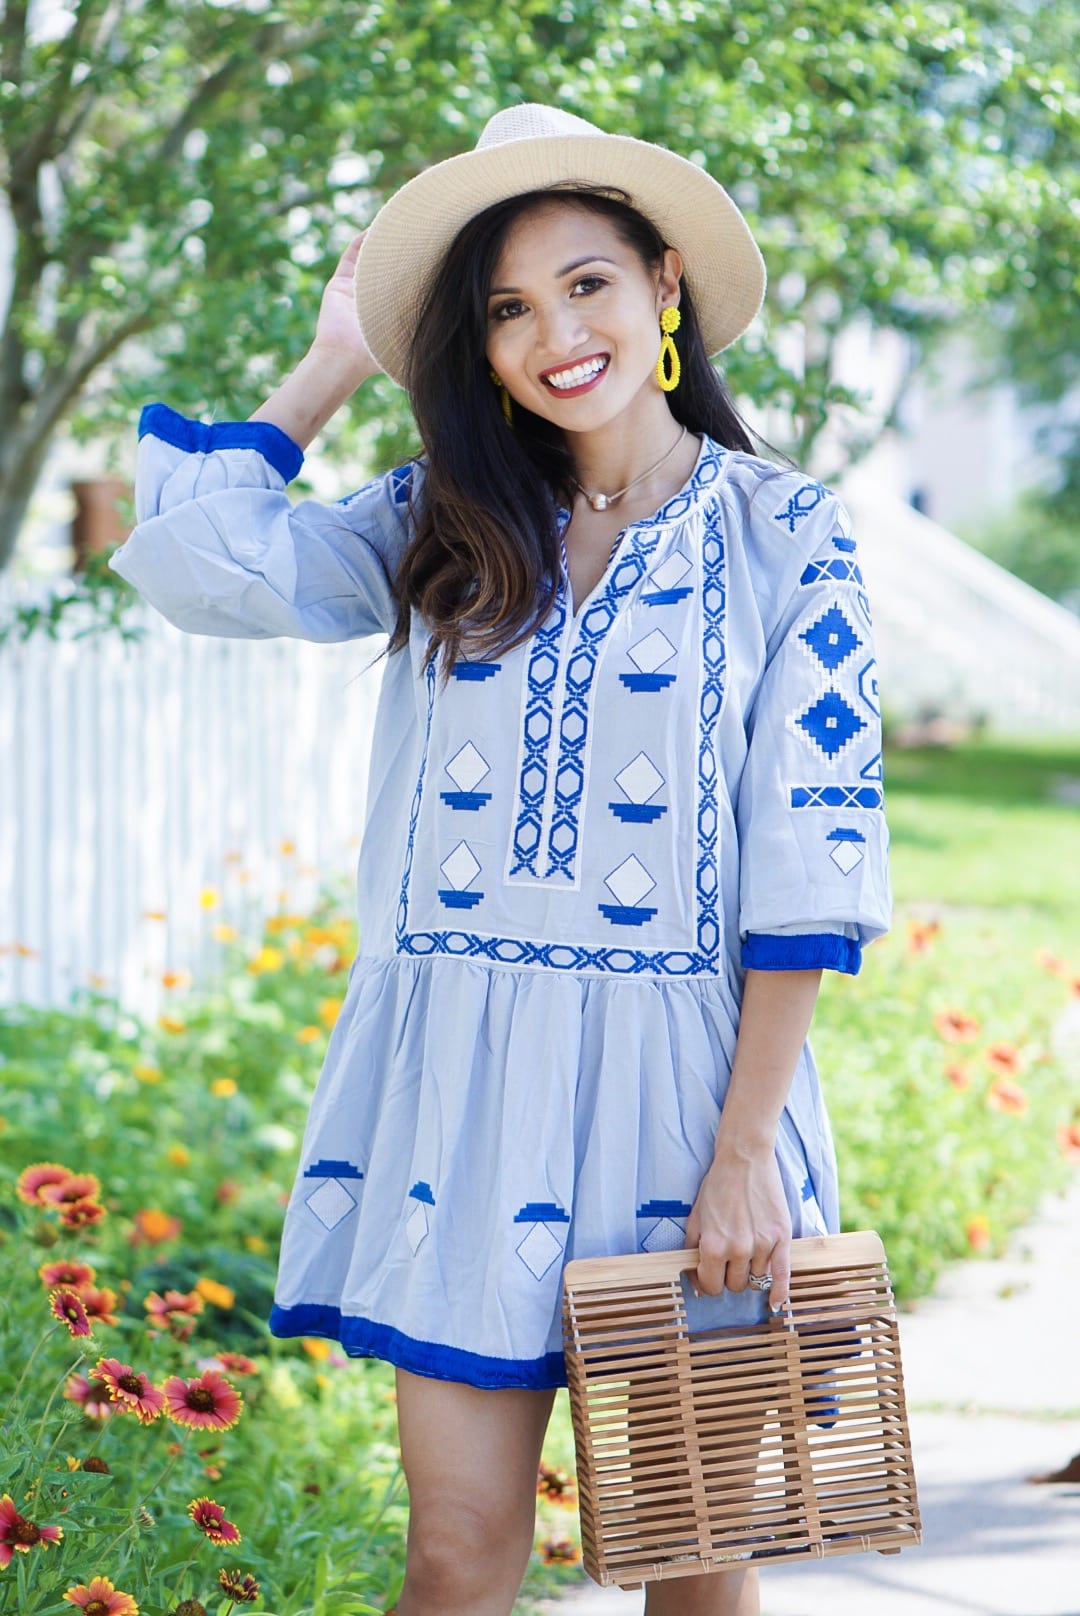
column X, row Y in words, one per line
column 599, row 502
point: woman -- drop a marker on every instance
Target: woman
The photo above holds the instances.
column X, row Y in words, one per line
column 625, row 801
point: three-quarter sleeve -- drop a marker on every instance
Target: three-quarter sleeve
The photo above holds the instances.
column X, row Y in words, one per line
column 814, row 883
column 221, row 548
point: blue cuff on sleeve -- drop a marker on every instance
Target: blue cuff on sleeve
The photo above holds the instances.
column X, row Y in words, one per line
column 200, row 437
column 828, row 951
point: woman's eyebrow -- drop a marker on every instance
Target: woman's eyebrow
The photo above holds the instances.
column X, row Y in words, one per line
column 593, row 258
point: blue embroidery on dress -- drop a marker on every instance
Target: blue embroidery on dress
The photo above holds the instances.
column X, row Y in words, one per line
column 830, row 723
column 667, row 580
column 542, row 1245
column 837, row 569
column 475, row 671
column 667, row 1230
column 807, row 1191
column 868, row 687
column 831, row 638
column 648, row 655
column 837, row 796
column 460, row 867
column 466, row 769
column 617, row 960
column 418, row 1220
column 331, row 1202
column 414, row 812
column 844, row 544
column 629, row 882
column 846, row 855
column 872, row 770
column 639, row 780
column 401, row 483
column 595, row 625
column 802, row 502
column 532, row 781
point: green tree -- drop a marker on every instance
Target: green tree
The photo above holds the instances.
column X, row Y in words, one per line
column 181, row 178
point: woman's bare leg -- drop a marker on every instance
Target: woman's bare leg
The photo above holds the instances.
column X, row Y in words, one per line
column 471, row 1459
column 717, row 1593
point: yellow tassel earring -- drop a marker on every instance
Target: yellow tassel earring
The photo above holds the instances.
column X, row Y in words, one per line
column 505, row 398
column 670, row 320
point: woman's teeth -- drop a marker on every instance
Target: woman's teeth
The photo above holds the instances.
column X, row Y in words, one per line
column 579, row 374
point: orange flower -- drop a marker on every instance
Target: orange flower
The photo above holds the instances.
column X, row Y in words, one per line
column 233, row 1361
column 308, row 1035
column 210, row 1518
column 223, row 1087
column 174, row 1024
column 81, row 1214
column 227, row 1192
column 241, row 1589
column 175, row 1312
column 329, row 1010
column 977, row 1231
column 1068, row 1137
column 33, row 1180
column 1005, row 1096
column 100, row 1305
column 154, row 1226
column 920, row 935
column 556, row 1485
column 959, row 1075
column 68, row 1308
column 559, row 1551
column 218, row 1295
column 1051, row 963
column 1004, row 1059
column 66, row 1273
column 131, row 1392
column 956, row 1027
column 316, row 1347
column 209, row 1401
column 222, row 932
column 17, row 1534
column 1074, row 986
column 175, row 979
column 100, row 1598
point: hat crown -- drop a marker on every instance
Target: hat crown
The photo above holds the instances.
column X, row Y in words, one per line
column 532, row 121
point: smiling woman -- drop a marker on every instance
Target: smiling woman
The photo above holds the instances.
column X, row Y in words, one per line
column 626, row 795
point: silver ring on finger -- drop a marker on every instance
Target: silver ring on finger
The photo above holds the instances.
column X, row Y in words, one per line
column 761, row 1282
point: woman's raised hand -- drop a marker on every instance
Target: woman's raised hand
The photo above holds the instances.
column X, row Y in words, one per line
column 338, row 329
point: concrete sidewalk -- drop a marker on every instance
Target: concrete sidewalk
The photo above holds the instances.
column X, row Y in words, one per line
column 992, row 1376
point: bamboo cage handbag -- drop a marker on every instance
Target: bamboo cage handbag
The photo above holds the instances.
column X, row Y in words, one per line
column 704, row 1450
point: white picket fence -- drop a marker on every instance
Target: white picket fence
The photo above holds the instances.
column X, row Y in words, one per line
column 137, row 777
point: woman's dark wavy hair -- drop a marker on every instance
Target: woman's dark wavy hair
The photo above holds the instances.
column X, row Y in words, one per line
column 483, row 561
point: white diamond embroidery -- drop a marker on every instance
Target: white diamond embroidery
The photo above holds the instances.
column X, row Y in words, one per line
column 665, row 1235
column 651, row 652
column 331, row 1202
column 539, row 1249
column 416, row 1226
column 467, row 768
column 846, row 856
column 670, row 572
column 630, row 881
column 460, row 867
column 640, row 780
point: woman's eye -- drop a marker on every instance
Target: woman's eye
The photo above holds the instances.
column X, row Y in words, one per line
column 590, row 282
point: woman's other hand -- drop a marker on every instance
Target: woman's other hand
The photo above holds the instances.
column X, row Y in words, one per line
column 337, row 330
column 741, row 1225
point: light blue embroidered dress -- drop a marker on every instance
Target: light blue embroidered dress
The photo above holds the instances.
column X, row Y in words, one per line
column 572, row 853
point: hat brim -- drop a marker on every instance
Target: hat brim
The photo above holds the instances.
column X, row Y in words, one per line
column 409, row 236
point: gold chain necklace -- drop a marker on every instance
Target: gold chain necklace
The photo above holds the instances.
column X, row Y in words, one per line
column 600, row 502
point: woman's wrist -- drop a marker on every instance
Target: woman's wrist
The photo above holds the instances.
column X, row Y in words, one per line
column 322, row 382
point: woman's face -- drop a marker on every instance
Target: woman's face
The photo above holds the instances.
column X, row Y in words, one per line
column 566, row 291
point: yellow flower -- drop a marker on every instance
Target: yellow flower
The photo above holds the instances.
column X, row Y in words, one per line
column 255, row 1243
column 316, row 1347
column 147, row 1074
column 154, row 914
column 308, row 1035
column 175, row 979
column 179, row 1155
column 209, row 897
column 223, row 1087
column 328, row 1010
column 172, row 1023
column 96, row 980
column 221, row 932
column 287, row 847
column 294, row 946
column 218, row 1295
column 322, row 1381
column 267, row 959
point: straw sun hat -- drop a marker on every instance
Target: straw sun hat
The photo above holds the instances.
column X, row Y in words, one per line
column 528, row 148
